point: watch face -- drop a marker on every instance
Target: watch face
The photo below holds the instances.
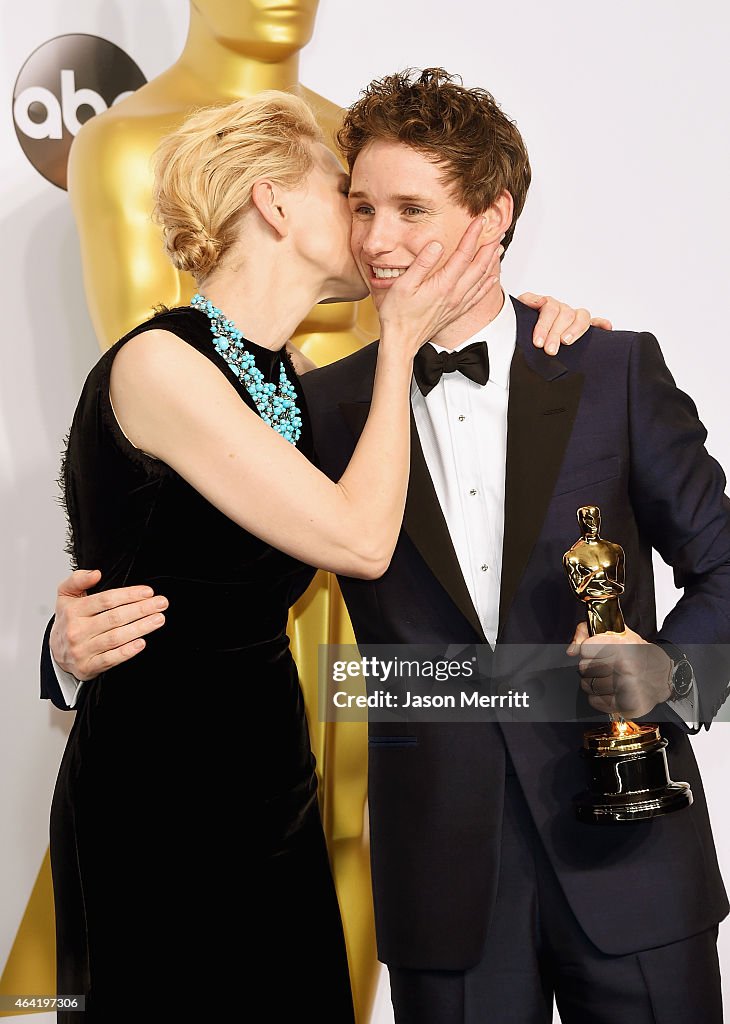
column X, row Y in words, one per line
column 682, row 678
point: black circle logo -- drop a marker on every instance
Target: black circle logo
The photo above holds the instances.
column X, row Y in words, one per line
column 64, row 83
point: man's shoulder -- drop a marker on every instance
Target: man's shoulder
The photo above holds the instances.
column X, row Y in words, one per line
column 596, row 349
column 349, row 379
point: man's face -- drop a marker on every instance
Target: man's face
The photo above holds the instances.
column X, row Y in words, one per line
column 398, row 204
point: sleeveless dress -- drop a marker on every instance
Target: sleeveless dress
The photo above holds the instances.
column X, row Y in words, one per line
column 187, row 851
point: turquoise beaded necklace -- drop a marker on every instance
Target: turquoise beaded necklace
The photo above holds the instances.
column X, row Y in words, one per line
column 277, row 406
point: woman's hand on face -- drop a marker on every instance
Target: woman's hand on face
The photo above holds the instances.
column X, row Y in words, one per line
column 558, row 323
column 424, row 300
column 93, row 633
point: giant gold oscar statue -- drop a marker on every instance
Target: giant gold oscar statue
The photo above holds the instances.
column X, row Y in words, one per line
column 233, row 50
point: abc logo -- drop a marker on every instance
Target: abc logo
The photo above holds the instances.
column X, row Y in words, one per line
column 63, row 83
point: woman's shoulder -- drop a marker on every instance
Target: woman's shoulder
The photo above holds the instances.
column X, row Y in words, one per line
column 161, row 334
column 183, row 321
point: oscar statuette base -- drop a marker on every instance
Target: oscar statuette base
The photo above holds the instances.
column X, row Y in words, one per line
column 628, row 776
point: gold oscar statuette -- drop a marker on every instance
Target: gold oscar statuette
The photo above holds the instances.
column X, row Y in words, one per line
column 628, row 774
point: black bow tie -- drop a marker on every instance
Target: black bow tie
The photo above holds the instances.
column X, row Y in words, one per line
column 429, row 365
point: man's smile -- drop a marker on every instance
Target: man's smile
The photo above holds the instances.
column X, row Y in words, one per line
column 379, row 273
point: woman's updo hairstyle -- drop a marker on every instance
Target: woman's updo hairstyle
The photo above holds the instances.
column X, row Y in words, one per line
column 205, row 171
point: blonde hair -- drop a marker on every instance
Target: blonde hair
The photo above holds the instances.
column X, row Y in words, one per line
column 205, row 171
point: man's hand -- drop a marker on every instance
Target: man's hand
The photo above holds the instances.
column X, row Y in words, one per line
column 558, row 323
column 93, row 633
column 621, row 673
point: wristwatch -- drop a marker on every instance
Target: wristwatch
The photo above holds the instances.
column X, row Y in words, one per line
column 682, row 676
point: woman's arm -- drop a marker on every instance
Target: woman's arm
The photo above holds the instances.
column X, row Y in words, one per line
column 174, row 404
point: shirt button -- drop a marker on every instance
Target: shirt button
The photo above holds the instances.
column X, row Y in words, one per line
column 484, row 567
column 461, row 419
column 473, row 491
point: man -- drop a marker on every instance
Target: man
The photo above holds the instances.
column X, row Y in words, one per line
column 490, row 897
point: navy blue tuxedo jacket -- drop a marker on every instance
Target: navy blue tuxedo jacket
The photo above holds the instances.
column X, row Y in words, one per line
column 603, row 423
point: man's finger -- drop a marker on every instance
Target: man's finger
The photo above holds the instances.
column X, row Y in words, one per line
column 579, row 637
column 123, row 615
column 79, row 582
column 597, row 687
column 595, row 667
column 103, row 662
column 122, row 636
column 605, row 704
column 106, row 600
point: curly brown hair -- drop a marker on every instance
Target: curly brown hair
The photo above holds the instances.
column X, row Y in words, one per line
column 463, row 130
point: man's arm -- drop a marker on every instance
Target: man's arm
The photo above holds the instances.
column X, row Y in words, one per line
column 677, row 493
column 60, row 689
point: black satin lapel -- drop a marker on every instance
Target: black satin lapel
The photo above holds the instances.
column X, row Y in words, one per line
column 425, row 524
column 424, row 521
column 540, row 416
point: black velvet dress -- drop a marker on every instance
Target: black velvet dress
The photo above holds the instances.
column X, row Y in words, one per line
column 187, row 851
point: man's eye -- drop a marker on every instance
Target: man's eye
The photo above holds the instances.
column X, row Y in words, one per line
column 363, row 209
column 413, row 211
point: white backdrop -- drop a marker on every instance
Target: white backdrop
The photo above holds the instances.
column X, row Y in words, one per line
column 624, row 108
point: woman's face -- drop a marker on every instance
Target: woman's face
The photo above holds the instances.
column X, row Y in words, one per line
column 273, row 28
column 320, row 226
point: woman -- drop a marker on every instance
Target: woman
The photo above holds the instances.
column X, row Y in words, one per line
column 189, row 469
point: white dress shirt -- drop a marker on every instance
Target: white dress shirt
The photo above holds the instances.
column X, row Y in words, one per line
column 462, row 427
column 68, row 684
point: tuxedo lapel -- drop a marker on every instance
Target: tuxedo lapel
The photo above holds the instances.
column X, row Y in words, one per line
column 425, row 524
column 543, row 401
column 424, row 520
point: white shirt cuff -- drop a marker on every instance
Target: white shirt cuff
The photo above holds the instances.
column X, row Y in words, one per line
column 68, row 684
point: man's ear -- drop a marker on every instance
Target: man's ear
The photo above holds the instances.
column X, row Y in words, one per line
column 498, row 217
column 267, row 200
